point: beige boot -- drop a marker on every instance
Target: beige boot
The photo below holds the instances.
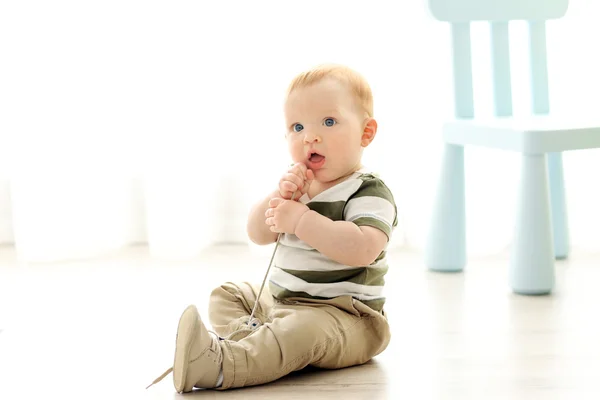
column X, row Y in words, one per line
column 198, row 356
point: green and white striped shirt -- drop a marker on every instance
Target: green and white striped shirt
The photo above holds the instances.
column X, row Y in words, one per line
column 302, row 271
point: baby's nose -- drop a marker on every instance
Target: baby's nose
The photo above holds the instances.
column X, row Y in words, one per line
column 311, row 138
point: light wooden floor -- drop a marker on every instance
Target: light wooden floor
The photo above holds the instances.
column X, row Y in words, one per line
column 105, row 329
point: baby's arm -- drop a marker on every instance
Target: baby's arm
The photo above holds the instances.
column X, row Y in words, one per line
column 369, row 218
column 342, row 241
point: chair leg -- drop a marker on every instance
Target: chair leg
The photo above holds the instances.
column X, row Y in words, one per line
column 558, row 206
column 532, row 261
column 446, row 245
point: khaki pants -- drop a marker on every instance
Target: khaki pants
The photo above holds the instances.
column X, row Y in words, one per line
column 294, row 333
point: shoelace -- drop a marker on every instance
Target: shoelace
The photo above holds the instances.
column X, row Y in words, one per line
column 160, row 378
column 255, row 322
column 167, row 372
column 268, row 269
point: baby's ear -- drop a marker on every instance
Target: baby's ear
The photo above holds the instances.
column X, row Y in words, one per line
column 369, row 132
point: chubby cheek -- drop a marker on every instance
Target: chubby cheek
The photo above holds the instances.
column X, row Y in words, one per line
column 342, row 150
column 296, row 150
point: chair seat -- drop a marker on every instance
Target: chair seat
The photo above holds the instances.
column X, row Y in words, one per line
column 538, row 134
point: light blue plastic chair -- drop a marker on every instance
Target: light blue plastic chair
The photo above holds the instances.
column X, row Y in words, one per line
column 541, row 231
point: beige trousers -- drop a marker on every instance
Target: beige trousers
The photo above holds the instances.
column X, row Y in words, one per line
column 295, row 333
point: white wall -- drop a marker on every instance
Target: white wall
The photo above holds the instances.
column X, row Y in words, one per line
column 126, row 121
column 6, row 228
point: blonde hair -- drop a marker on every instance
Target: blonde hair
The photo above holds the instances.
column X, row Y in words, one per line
column 345, row 75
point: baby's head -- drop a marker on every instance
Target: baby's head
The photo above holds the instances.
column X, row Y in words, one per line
column 329, row 113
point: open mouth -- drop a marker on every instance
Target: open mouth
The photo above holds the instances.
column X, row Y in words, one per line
column 315, row 160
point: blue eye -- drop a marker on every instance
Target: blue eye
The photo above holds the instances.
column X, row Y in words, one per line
column 297, row 127
column 329, row 122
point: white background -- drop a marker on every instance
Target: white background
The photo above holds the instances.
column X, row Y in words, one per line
column 144, row 121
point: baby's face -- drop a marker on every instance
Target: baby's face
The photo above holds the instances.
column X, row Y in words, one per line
column 325, row 126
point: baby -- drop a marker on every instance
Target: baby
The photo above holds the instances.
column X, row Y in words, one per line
column 324, row 304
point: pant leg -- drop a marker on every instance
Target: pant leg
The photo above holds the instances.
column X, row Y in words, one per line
column 230, row 306
column 315, row 333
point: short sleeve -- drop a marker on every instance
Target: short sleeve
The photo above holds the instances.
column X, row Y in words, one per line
column 372, row 205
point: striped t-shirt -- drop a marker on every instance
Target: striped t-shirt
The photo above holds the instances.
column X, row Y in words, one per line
column 301, row 271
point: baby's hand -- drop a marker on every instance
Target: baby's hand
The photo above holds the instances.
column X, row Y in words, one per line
column 297, row 178
column 283, row 216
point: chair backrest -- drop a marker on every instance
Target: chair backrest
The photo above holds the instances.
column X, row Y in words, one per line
column 497, row 10
column 460, row 13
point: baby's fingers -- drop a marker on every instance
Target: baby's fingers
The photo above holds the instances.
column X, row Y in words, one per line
column 289, row 186
column 300, row 170
column 293, row 178
column 275, row 202
column 310, row 175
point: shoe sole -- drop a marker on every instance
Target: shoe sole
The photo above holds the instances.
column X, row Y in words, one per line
column 186, row 331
